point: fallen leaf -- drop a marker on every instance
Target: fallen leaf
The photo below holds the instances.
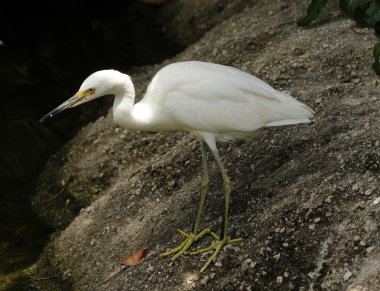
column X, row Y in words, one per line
column 135, row 258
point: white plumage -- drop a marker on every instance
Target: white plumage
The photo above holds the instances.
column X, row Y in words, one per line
column 204, row 97
column 214, row 102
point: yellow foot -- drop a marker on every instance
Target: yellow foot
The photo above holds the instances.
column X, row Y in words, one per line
column 217, row 247
column 190, row 239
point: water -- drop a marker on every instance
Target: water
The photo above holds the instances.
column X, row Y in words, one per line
column 22, row 237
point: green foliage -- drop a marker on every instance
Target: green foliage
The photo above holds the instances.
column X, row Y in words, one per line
column 17, row 281
column 349, row 6
column 365, row 13
column 312, row 12
column 374, row 11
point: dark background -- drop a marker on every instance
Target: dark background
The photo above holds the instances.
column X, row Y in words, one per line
column 47, row 49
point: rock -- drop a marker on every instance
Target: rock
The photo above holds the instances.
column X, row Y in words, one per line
column 280, row 190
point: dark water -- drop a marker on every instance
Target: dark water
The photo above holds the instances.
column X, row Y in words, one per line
column 22, row 237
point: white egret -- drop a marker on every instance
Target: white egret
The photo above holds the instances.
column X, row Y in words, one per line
column 211, row 101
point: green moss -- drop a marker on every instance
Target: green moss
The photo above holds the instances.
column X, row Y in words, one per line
column 19, row 280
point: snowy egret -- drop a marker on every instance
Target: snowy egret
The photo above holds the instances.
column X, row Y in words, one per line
column 214, row 102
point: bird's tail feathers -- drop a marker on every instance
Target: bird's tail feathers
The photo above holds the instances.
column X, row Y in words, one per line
column 287, row 122
column 292, row 112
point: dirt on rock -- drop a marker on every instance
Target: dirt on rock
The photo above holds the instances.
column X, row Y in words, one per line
column 306, row 197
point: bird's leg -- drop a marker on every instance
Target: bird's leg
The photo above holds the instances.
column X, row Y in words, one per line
column 190, row 238
column 224, row 240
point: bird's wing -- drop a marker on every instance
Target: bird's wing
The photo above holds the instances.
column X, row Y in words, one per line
column 215, row 98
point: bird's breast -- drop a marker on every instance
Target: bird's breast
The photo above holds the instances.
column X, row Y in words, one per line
column 142, row 113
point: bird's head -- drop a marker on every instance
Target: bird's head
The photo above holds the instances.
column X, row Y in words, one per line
column 98, row 84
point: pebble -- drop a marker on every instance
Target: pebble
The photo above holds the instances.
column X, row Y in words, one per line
column 277, row 257
column 328, row 199
column 368, row 192
column 291, row 286
column 312, row 226
column 96, row 141
column 280, row 229
column 347, row 276
column 279, row 280
column 247, row 261
column 204, row 280
column 370, row 249
column 218, row 264
column 376, row 201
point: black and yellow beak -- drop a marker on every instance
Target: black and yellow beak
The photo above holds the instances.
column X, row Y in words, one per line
column 77, row 99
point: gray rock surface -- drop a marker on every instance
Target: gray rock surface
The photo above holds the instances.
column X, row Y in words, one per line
column 306, row 196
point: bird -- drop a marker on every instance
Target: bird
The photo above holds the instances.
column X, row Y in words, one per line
column 214, row 102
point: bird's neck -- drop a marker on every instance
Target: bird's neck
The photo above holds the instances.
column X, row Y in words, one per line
column 127, row 114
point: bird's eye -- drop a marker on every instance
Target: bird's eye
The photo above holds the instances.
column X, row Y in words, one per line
column 91, row 90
